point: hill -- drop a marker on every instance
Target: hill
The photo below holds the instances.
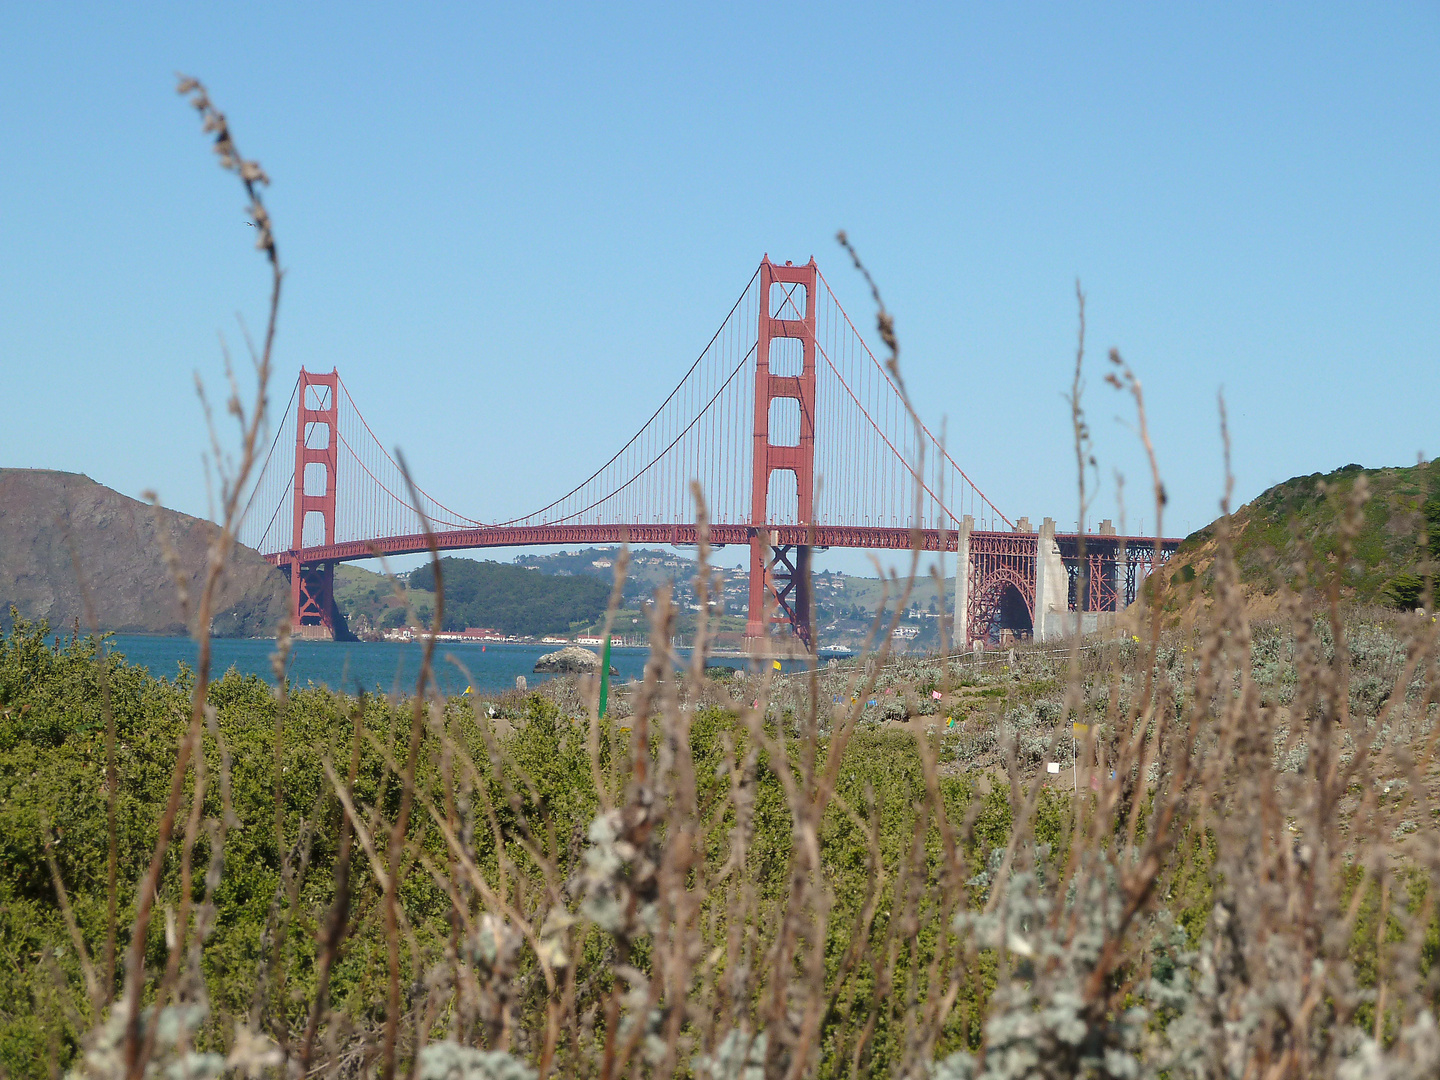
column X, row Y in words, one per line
column 368, row 600
column 649, row 569
column 513, row 599
column 49, row 520
column 1293, row 530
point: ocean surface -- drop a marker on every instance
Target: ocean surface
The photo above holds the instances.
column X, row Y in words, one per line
column 370, row 665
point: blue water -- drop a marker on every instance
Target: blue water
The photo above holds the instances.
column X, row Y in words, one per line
column 386, row 666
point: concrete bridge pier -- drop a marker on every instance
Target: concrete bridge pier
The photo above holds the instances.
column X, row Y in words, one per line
column 961, row 635
column 1052, row 587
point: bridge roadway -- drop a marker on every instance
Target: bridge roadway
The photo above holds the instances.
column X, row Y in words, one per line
column 820, row 536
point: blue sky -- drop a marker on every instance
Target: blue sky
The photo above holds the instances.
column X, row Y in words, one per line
column 513, row 228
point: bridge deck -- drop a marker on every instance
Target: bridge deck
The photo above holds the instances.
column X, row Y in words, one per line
column 820, row 536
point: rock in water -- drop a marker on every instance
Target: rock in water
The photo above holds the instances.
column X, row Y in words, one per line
column 571, row 660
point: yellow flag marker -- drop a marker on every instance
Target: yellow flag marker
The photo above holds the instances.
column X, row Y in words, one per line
column 1080, row 729
column 777, row 665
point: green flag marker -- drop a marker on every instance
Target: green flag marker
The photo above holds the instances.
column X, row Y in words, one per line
column 604, row 676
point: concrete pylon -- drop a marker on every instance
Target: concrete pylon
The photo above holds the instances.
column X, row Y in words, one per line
column 961, row 636
column 1052, row 586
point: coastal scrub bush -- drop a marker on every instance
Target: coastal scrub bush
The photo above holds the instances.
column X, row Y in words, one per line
column 540, row 792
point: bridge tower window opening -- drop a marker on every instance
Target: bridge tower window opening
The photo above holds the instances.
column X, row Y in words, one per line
column 782, row 502
column 787, row 357
column 319, row 397
column 317, row 478
column 785, row 422
column 312, row 529
column 790, row 299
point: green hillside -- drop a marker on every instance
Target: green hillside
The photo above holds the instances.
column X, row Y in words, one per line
column 513, row 599
column 1292, row 535
column 369, row 600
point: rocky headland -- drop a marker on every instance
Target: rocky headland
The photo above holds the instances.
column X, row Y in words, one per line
column 65, row 538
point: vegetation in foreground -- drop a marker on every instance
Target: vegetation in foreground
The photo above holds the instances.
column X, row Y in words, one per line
column 280, row 859
column 870, row 886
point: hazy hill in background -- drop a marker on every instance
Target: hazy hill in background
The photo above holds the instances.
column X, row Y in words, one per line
column 50, row 521
column 651, row 568
column 523, row 597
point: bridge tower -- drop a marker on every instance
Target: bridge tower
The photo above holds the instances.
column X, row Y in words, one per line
column 312, row 586
column 780, row 575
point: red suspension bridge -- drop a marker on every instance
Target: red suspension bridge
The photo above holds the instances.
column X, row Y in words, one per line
column 799, row 440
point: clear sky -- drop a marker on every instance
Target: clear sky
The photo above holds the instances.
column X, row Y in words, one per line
column 513, row 228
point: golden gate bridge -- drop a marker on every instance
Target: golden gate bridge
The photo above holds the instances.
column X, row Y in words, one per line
column 800, row 441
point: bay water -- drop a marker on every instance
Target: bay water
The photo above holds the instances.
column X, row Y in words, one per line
column 384, row 666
